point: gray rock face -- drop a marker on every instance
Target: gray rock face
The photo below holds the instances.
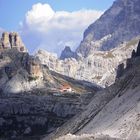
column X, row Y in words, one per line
column 113, row 111
column 106, row 43
column 68, row 53
column 98, row 67
column 87, row 137
column 118, row 24
column 27, row 115
column 21, row 73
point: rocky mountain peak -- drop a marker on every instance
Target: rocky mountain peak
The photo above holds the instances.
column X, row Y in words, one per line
column 68, row 53
column 67, row 48
column 11, row 40
column 118, row 24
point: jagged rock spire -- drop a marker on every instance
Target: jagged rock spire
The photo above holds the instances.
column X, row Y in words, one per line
column 68, row 53
column 11, row 40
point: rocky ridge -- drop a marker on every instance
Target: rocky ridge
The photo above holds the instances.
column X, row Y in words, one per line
column 118, row 24
column 107, row 42
column 98, row 67
column 21, row 72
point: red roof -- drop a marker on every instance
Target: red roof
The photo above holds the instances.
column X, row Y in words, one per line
column 66, row 86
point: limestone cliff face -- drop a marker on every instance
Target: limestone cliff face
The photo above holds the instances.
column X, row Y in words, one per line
column 118, row 24
column 20, row 72
column 99, row 67
column 12, row 40
column 34, row 68
column 106, row 43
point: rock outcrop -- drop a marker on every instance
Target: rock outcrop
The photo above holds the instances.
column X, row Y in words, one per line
column 34, row 68
column 21, row 73
column 11, row 40
column 98, row 67
column 31, row 115
column 68, row 53
column 118, row 24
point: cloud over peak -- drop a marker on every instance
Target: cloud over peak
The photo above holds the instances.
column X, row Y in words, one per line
column 54, row 29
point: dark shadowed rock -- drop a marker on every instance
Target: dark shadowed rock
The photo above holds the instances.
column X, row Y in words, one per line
column 133, row 53
column 68, row 53
column 120, row 70
column 138, row 50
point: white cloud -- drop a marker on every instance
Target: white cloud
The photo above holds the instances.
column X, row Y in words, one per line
column 39, row 15
column 51, row 30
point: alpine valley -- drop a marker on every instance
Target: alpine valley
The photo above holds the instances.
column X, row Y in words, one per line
column 92, row 93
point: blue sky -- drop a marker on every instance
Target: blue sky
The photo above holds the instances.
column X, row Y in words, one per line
column 50, row 24
column 13, row 11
